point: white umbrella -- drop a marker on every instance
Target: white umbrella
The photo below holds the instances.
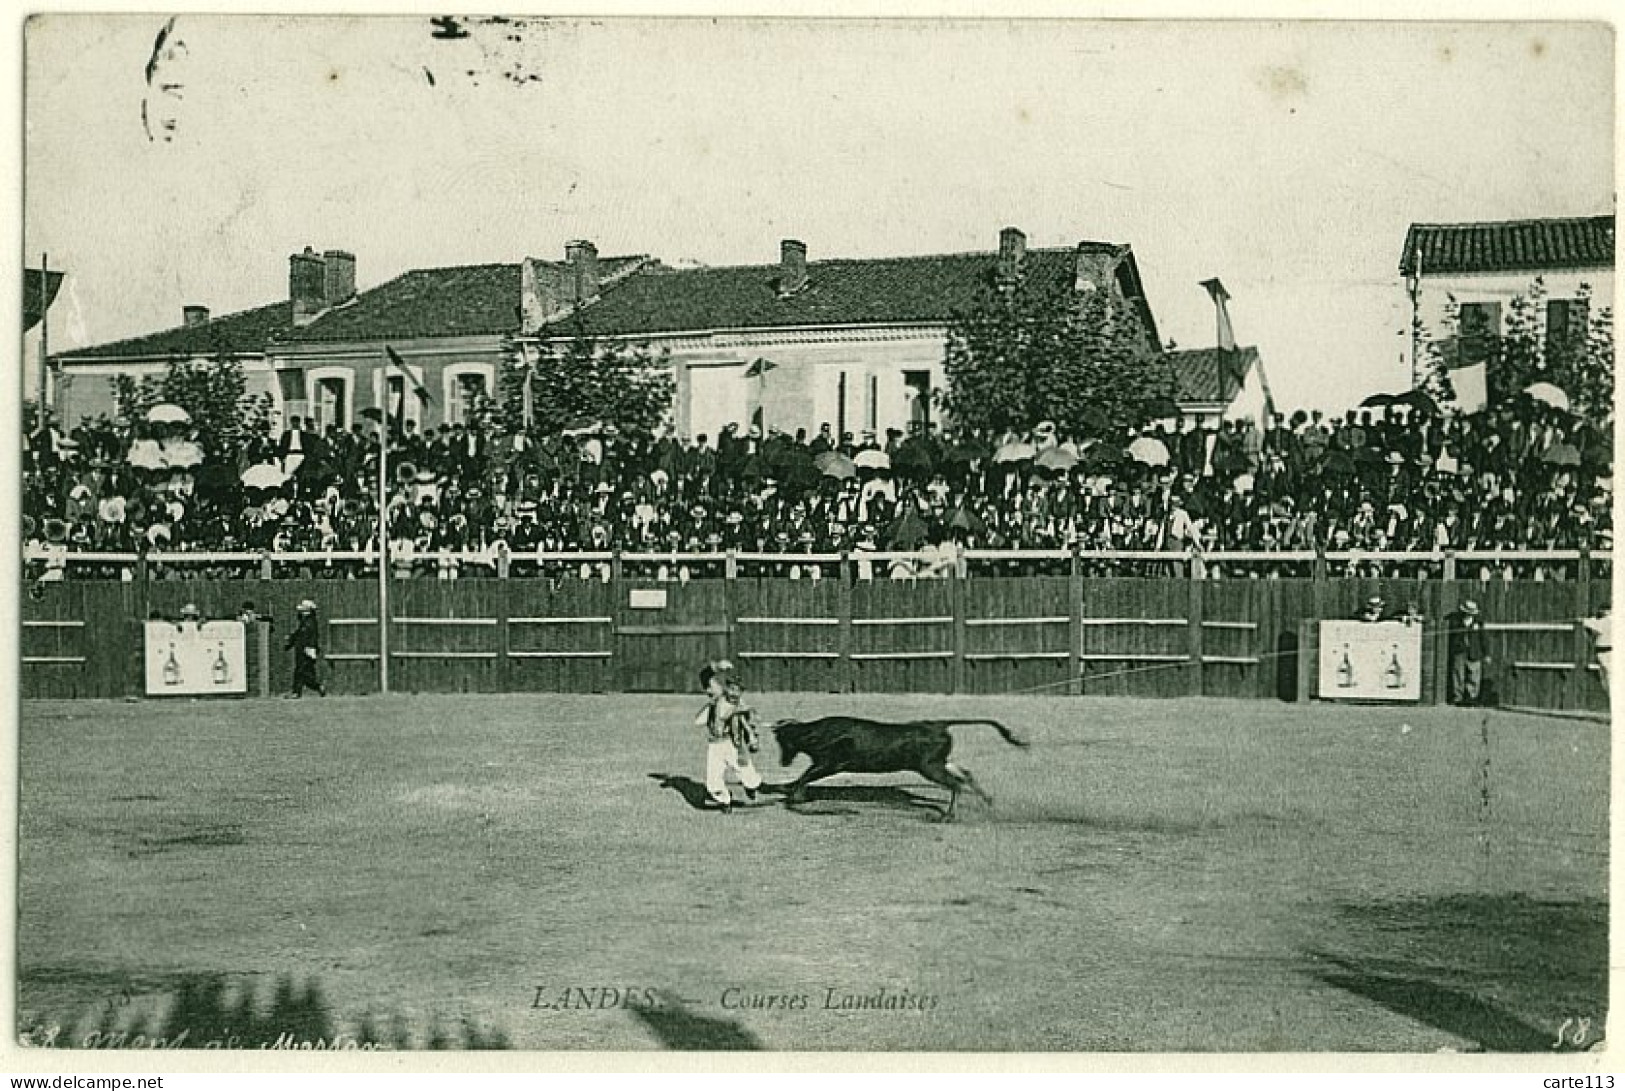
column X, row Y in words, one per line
column 1150, row 451
column 1018, row 451
column 145, row 454
column 264, row 476
column 872, row 460
column 1549, row 393
column 182, row 454
column 168, row 413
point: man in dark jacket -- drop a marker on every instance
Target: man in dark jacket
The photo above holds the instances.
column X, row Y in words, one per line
column 1468, row 653
column 305, row 641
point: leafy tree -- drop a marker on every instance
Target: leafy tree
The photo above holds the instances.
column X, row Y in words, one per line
column 226, row 418
column 1027, row 351
column 583, row 378
column 1433, row 363
column 1577, row 357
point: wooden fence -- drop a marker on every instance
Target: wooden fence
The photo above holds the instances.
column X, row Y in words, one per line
column 1059, row 634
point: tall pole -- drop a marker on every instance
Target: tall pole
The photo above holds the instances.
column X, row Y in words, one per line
column 44, row 395
column 383, row 535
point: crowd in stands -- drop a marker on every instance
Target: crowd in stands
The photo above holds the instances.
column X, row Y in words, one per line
column 1522, row 475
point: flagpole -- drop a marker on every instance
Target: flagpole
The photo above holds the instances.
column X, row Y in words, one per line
column 44, row 401
column 383, row 536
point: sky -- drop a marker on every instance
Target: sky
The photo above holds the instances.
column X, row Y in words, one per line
column 1285, row 158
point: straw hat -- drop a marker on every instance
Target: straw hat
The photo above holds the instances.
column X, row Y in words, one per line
column 306, row 606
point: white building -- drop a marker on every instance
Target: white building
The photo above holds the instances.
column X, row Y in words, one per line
column 1482, row 267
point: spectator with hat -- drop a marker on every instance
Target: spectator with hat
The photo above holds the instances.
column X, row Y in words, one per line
column 306, row 643
column 1468, row 654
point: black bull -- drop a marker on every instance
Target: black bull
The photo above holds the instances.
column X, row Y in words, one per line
column 851, row 744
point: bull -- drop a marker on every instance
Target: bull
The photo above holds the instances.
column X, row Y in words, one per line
column 851, row 744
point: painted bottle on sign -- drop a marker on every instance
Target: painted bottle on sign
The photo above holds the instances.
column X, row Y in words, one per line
column 222, row 669
column 1394, row 676
column 1345, row 670
column 172, row 669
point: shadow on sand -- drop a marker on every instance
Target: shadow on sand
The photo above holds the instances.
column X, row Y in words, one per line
column 213, row 1011
column 679, row 1028
column 820, row 799
column 1502, row 971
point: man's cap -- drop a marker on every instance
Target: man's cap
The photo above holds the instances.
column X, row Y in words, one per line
column 1469, row 607
column 306, row 606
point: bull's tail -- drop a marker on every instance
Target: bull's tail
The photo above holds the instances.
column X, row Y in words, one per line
column 1009, row 736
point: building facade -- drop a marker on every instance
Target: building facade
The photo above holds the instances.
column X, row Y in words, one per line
column 1478, row 269
column 795, row 343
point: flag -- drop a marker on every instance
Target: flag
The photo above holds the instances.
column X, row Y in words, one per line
column 1471, row 385
column 759, row 366
column 39, row 290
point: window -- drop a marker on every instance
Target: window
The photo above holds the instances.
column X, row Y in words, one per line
column 329, row 407
column 1480, row 326
column 464, row 385
column 917, row 386
column 328, row 394
column 466, row 391
column 1566, row 321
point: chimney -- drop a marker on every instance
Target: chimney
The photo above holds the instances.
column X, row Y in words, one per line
column 1226, row 334
column 194, row 315
column 543, row 294
column 792, row 266
column 340, row 279
column 582, row 258
column 307, row 286
column 1012, row 249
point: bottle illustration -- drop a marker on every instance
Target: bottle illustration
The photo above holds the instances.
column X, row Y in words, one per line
column 222, row 669
column 1394, row 675
column 172, row 669
column 1345, row 670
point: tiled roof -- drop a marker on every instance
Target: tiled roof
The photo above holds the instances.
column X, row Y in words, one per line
column 1210, row 375
column 838, row 292
column 446, row 302
column 1510, row 246
column 640, row 297
column 243, row 333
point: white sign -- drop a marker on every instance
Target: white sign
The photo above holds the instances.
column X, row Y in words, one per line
column 648, row 598
column 1370, row 661
column 186, row 659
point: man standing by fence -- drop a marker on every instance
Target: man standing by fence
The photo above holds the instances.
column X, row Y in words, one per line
column 1467, row 655
column 306, row 643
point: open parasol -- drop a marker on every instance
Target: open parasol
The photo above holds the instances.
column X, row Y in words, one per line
column 266, row 475
column 1549, row 393
column 168, row 413
column 1152, row 452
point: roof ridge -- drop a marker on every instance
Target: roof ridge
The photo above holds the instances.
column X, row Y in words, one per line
column 1517, row 222
column 893, row 257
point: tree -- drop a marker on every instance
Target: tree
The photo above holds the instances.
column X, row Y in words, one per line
column 1433, row 366
column 582, row 378
column 226, row 418
column 1568, row 343
column 1027, row 351
column 1560, row 342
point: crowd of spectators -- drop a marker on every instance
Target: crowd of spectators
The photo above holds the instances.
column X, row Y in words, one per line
column 1523, row 475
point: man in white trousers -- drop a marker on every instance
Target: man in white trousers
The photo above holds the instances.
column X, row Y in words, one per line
column 1603, row 637
column 724, row 719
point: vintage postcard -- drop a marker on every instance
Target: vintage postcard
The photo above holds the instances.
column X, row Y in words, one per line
column 967, row 536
